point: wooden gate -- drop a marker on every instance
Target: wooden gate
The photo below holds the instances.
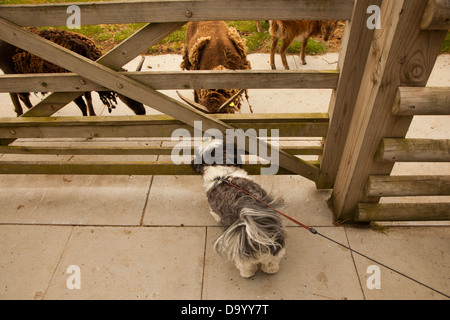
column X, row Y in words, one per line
column 374, row 64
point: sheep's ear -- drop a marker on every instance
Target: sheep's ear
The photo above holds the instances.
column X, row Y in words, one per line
column 186, row 64
column 196, row 105
column 196, row 51
column 141, row 64
column 239, row 43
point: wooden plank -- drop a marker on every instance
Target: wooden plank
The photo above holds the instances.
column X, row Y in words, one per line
column 436, row 15
column 114, row 59
column 289, row 125
column 177, row 80
column 111, row 168
column 408, row 224
column 86, row 150
column 401, row 55
column 407, row 186
column 403, row 212
column 138, row 43
column 177, row 11
column 118, row 150
column 413, row 150
column 422, row 101
column 353, row 58
column 136, row 90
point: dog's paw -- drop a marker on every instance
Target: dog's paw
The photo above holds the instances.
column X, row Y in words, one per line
column 247, row 274
column 270, row 268
column 248, row 271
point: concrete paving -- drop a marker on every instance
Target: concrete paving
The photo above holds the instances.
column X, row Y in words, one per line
column 151, row 237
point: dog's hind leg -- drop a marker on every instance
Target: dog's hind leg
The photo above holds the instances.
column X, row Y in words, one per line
column 246, row 269
column 271, row 264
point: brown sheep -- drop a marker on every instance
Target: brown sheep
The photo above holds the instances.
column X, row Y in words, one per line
column 301, row 30
column 212, row 45
column 14, row 60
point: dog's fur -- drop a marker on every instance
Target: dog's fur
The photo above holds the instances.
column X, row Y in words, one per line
column 253, row 233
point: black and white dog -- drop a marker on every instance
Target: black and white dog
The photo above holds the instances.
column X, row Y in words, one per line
column 253, row 232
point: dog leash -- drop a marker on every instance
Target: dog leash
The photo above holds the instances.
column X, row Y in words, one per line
column 315, row 232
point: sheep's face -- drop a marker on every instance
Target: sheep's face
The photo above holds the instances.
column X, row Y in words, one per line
column 214, row 99
column 328, row 28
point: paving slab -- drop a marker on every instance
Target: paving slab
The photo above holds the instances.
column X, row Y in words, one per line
column 28, row 259
column 313, row 269
column 421, row 253
column 152, row 237
column 132, row 263
column 177, row 201
column 181, row 200
column 73, row 200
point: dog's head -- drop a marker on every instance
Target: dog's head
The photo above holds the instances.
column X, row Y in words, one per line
column 216, row 153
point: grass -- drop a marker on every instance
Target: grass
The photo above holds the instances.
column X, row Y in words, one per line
column 108, row 36
column 446, row 46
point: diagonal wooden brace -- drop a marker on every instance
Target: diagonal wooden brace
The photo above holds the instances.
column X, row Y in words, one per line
column 135, row 90
column 114, row 59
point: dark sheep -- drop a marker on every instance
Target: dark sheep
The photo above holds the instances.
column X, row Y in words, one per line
column 14, row 60
column 212, row 45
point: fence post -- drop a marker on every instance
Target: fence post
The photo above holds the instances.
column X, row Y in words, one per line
column 400, row 55
column 354, row 53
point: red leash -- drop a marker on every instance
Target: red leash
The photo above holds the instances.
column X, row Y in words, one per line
column 314, row 231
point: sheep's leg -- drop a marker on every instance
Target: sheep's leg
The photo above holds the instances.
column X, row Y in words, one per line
column 137, row 107
column 258, row 25
column 284, row 47
column 82, row 105
column 88, row 97
column 17, row 106
column 25, row 97
column 303, row 51
column 273, row 49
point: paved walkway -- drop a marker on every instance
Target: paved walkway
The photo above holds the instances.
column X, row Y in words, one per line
column 151, row 237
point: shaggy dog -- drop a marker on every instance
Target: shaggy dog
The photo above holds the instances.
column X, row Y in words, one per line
column 253, row 232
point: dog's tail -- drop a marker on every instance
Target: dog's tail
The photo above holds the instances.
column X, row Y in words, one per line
column 258, row 231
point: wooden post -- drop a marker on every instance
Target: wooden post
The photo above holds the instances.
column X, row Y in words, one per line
column 422, row 101
column 408, row 186
column 368, row 212
column 354, row 53
column 413, row 150
column 401, row 55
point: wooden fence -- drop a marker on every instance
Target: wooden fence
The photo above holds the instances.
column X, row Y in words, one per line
column 374, row 65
